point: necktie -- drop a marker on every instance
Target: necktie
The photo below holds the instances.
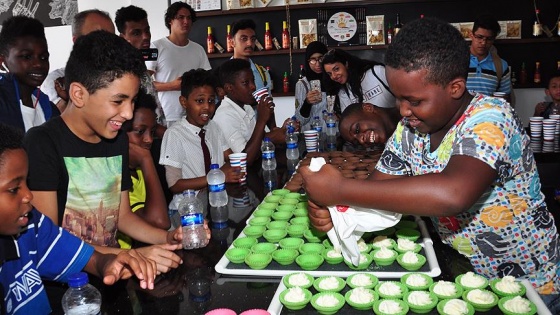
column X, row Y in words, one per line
column 205, row 150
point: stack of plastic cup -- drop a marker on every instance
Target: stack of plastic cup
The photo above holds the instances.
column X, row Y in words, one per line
column 549, row 128
column 260, row 93
column 242, row 201
column 536, row 126
column 311, row 140
column 239, row 160
column 556, row 133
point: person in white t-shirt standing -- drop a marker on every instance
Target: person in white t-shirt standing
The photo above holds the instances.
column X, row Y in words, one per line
column 177, row 55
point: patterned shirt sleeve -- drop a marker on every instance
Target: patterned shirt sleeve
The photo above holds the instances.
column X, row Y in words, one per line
column 392, row 161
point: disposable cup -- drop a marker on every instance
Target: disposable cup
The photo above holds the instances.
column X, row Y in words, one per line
column 260, row 93
column 239, row 160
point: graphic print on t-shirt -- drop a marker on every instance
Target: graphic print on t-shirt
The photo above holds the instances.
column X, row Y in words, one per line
column 94, row 194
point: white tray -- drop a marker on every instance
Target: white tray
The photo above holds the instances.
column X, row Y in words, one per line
column 223, row 266
column 275, row 307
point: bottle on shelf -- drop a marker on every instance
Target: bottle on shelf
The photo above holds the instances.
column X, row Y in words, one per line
column 292, row 151
column 285, row 36
column 229, row 40
column 398, row 25
column 558, row 65
column 271, row 85
column 301, row 72
column 192, row 221
column 331, row 125
column 217, row 195
column 267, row 37
column 210, row 41
column 285, row 83
column 268, row 158
column 390, row 33
column 81, row 298
column 537, row 29
column 537, row 75
column 523, row 74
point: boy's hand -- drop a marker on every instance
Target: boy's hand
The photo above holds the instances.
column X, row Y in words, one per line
column 320, row 217
column 163, row 256
column 233, row 174
column 137, row 155
column 265, row 108
column 322, row 186
column 59, row 88
column 295, row 122
column 540, row 108
column 127, row 263
column 176, row 236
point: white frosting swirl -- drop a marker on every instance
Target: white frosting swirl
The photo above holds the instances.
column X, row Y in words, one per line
column 362, row 246
column 390, row 289
column 329, row 283
column 456, row 307
column 416, row 280
column 361, row 296
column 334, row 253
column 363, row 259
column 410, row 258
column 518, row 305
column 295, row 295
column 383, row 252
column 390, row 307
column 419, row 298
column 299, row 279
column 382, row 241
column 405, row 244
column 445, row 288
column 472, row 280
column 327, row 300
column 360, row 280
column 508, row 285
column 480, row 296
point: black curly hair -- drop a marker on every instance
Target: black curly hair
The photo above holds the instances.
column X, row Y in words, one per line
column 430, row 44
column 242, row 25
column 230, row 69
column 11, row 138
column 171, row 13
column 99, row 58
column 196, row 78
column 17, row 27
column 126, row 14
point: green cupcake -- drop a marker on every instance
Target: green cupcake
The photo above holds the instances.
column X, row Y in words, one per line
column 274, row 236
column 421, row 302
column 259, row 221
column 384, row 307
column 417, row 281
column 272, row 199
column 280, row 192
column 288, row 201
column 298, row 279
column 327, row 303
column 285, row 256
column 311, row 248
column 267, row 206
column 411, row 261
column 364, row 280
column 469, row 309
column 237, row 255
column 332, row 256
column 277, row 225
column 481, row 300
column 384, row 256
column 254, row 231
column 313, row 236
column 300, row 220
column 286, row 208
column 264, row 213
column 363, row 264
column 282, row 215
column 297, row 230
column 329, row 284
column 290, row 243
column 446, row 290
column 295, row 298
column 245, row 242
column 309, row 261
column 263, row 248
column 523, row 305
column 361, row 298
column 471, row 280
column 409, row 234
column 391, row 290
column 383, row 241
column 258, row 261
column 509, row 286
column 293, row 195
column 300, row 213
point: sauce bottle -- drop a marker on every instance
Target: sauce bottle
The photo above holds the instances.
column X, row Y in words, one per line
column 523, row 75
column 390, row 33
column 229, row 40
column 267, row 37
column 285, row 36
column 210, row 41
column 537, row 75
column 398, row 25
column 285, row 83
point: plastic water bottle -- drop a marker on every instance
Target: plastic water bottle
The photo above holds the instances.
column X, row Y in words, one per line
column 292, row 151
column 192, row 221
column 330, row 143
column 317, row 125
column 331, row 125
column 268, row 158
column 292, row 122
column 270, row 178
column 219, row 216
column 81, row 298
column 217, row 194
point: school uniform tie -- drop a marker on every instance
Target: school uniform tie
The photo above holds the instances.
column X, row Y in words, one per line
column 205, row 150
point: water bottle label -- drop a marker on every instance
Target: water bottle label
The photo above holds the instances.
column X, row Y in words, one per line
column 319, row 129
column 267, row 155
column 331, row 125
column 217, row 188
column 192, row 219
column 331, row 145
column 291, row 145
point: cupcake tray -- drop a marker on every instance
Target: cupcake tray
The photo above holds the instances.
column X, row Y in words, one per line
column 276, row 307
column 431, row 268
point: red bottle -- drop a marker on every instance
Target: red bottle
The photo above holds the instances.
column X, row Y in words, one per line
column 210, row 41
column 229, row 43
column 285, row 36
column 267, row 37
column 285, row 83
column 390, row 33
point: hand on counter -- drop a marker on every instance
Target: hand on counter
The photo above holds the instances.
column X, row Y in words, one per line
column 162, row 255
column 126, row 264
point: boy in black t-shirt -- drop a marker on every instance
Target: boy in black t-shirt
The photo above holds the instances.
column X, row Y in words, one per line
column 78, row 163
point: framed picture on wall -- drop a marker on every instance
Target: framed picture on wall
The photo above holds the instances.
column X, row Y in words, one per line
column 202, row 5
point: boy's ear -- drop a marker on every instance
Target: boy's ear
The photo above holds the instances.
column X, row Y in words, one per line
column 457, row 87
column 183, row 101
column 368, row 107
column 228, row 87
column 78, row 94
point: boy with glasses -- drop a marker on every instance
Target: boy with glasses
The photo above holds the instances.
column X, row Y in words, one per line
column 488, row 73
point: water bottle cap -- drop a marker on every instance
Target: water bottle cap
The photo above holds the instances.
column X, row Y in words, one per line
column 266, row 139
column 78, row 279
column 214, row 166
column 291, row 129
column 189, row 192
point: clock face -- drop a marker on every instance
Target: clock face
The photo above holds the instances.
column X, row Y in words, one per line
column 342, row 26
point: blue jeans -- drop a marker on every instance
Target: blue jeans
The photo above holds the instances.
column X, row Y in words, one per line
column 552, row 301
